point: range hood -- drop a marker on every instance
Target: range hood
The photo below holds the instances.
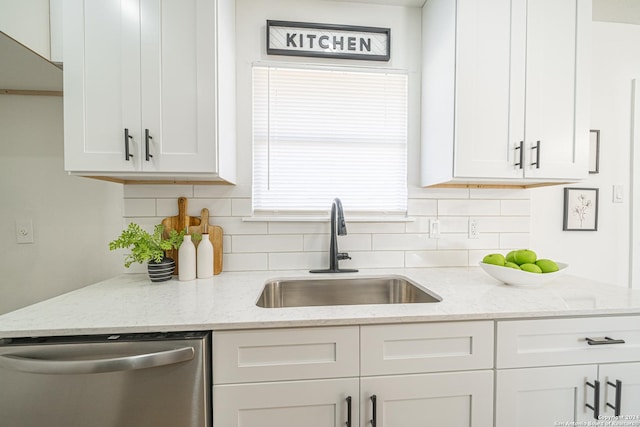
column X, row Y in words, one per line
column 24, row 72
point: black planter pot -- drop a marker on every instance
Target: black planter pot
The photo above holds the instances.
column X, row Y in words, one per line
column 161, row 271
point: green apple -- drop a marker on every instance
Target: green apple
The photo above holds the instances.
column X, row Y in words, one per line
column 524, row 256
column 531, row 268
column 495, row 259
column 512, row 265
column 509, row 257
column 547, row 266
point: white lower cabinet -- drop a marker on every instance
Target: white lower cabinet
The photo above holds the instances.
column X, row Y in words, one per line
column 318, row 403
column 620, row 388
column 449, row 399
column 547, row 373
column 543, row 397
column 595, row 373
column 315, row 376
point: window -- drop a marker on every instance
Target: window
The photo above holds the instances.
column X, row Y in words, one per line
column 324, row 133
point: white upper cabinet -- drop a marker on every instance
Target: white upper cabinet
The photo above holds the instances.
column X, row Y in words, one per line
column 505, row 91
column 150, row 89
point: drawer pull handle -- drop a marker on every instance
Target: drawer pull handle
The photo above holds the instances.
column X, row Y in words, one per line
column 618, row 387
column 596, row 399
column 374, row 404
column 348, row 411
column 521, row 155
column 537, row 162
column 147, row 138
column 604, row 341
column 127, row 137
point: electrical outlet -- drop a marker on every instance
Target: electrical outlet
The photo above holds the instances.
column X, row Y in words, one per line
column 434, row 229
column 24, row 231
column 474, row 229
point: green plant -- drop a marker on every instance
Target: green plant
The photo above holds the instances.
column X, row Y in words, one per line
column 145, row 246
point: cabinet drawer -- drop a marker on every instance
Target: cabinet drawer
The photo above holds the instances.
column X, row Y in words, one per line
column 547, row 342
column 285, row 354
column 426, row 347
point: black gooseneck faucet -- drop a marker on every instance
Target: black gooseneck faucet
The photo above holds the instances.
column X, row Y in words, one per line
column 338, row 228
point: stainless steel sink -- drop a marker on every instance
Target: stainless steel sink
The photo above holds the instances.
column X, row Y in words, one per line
column 343, row 291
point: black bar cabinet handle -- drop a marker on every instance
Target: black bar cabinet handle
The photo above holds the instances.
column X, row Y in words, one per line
column 348, row 411
column 537, row 162
column 618, row 387
column 147, row 137
column 374, row 404
column 605, row 341
column 521, row 148
column 127, row 137
column 596, row 399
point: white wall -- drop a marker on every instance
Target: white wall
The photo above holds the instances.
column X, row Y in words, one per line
column 28, row 22
column 601, row 255
column 503, row 215
column 73, row 218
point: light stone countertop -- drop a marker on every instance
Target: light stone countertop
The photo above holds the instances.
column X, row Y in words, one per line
column 131, row 303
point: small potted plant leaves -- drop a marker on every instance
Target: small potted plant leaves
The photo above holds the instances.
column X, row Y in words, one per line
column 150, row 248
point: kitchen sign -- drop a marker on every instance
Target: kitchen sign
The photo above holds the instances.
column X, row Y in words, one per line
column 328, row 41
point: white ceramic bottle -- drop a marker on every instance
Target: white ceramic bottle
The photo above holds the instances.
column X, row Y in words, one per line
column 204, row 264
column 187, row 259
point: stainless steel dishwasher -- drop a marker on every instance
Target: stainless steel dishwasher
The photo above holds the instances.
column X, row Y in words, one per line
column 127, row 380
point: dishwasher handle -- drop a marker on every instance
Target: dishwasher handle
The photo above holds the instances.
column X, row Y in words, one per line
column 65, row 367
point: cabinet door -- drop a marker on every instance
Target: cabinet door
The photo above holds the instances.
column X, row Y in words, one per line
column 320, row 403
column 101, row 84
column 178, row 84
column 544, row 397
column 629, row 376
column 458, row 399
column 484, row 142
column 557, row 88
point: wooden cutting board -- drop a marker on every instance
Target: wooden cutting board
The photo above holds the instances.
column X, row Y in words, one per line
column 179, row 222
column 215, row 237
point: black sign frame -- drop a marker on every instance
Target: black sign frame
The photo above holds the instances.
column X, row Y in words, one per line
column 329, row 54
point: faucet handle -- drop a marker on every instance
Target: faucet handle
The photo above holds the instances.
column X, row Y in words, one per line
column 343, row 255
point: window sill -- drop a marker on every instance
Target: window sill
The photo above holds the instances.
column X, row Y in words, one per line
column 326, row 218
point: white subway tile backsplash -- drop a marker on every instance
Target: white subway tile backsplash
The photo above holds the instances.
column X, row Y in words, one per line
column 216, row 207
column 503, row 216
column 377, row 259
column 240, row 207
column 139, row 207
column 169, row 207
column 350, row 242
column 158, row 191
column 402, row 242
column 454, row 224
column 235, row 225
column 375, row 227
column 422, row 207
column 221, row 191
column 515, row 207
column 499, row 193
column 438, row 193
column 267, row 243
column 468, row 207
column 299, row 261
column 420, row 224
column 312, row 227
column 512, row 241
column 504, row 224
column 457, row 258
column 462, row 241
column 245, row 262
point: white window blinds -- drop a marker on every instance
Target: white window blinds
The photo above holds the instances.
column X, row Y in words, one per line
column 325, row 133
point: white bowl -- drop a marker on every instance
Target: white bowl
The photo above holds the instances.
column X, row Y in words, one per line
column 512, row 276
